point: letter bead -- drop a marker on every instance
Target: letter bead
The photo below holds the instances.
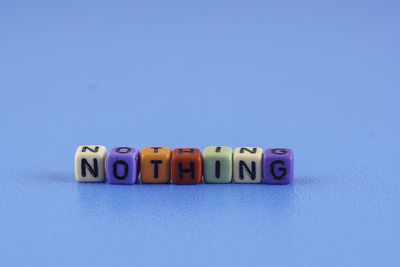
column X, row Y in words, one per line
column 90, row 164
column 155, row 165
column 247, row 165
column 122, row 165
column 186, row 166
column 278, row 166
column 217, row 164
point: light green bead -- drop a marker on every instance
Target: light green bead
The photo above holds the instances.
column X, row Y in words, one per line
column 211, row 156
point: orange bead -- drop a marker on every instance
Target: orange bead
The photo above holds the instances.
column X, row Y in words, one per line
column 186, row 166
column 155, row 165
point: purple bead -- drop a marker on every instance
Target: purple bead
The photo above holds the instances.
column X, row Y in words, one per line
column 278, row 166
column 122, row 165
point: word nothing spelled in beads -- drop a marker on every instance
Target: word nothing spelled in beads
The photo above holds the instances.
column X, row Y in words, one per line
column 157, row 165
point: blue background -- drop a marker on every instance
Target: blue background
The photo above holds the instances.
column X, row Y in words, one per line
column 320, row 77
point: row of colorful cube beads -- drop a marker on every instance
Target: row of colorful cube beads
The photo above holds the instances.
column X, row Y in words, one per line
column 218, row 164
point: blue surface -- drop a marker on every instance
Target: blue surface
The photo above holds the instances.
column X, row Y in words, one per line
column 320, row 78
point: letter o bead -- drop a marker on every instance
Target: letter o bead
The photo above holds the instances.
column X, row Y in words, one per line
column 278, row 166
column 186, row 166
column 122, row 165
column 90, row 164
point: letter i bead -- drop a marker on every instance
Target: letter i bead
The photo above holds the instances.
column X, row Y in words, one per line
column 278, row 166
column 122, row 165
column 186, row 166
column 217, row 164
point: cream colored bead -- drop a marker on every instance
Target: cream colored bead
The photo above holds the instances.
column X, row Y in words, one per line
column 247, row 165
column 90, row 162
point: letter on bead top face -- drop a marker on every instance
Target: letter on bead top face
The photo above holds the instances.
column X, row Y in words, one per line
column 122, row 165
column 247, row 165
column 186, row 166
column 155, row 165
column 278, row 166
column 217, row 164
column 90, row 164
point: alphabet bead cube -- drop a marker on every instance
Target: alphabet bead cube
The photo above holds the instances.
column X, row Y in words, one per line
column 90, row 164
column 155, row 165
column 247, row 165
column 217, row 164
column 278, row 166
column 122, row 165
column 186, row 166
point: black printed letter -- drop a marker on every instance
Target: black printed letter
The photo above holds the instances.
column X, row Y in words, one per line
column 115, row 168
column 155, row 148
column 217, row 168
column 181, row 151
column 253, row 151
column 252, row 173
column 155, row 162
column 125, row 150
column 190, row 170
column 95, row 150
column 94, row 171
column 278, row 151
column 283, row 170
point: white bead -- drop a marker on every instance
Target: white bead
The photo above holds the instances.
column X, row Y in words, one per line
column 247, row 165
column 90, row 162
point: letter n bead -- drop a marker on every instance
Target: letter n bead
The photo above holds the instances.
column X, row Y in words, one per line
column 247, row 165
column 155, row 164
column 90, row 164
column 278, row 166
column 122, row 165
column 186, row 166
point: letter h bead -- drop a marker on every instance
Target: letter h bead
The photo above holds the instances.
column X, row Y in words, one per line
column 186, row 166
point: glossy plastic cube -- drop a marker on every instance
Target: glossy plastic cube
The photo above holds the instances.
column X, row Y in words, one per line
column 122, row 165
column 90, row 164
column 278, row 166
column 217, row 164
column 247, row 165
column 155, row 165
column 186, row 166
